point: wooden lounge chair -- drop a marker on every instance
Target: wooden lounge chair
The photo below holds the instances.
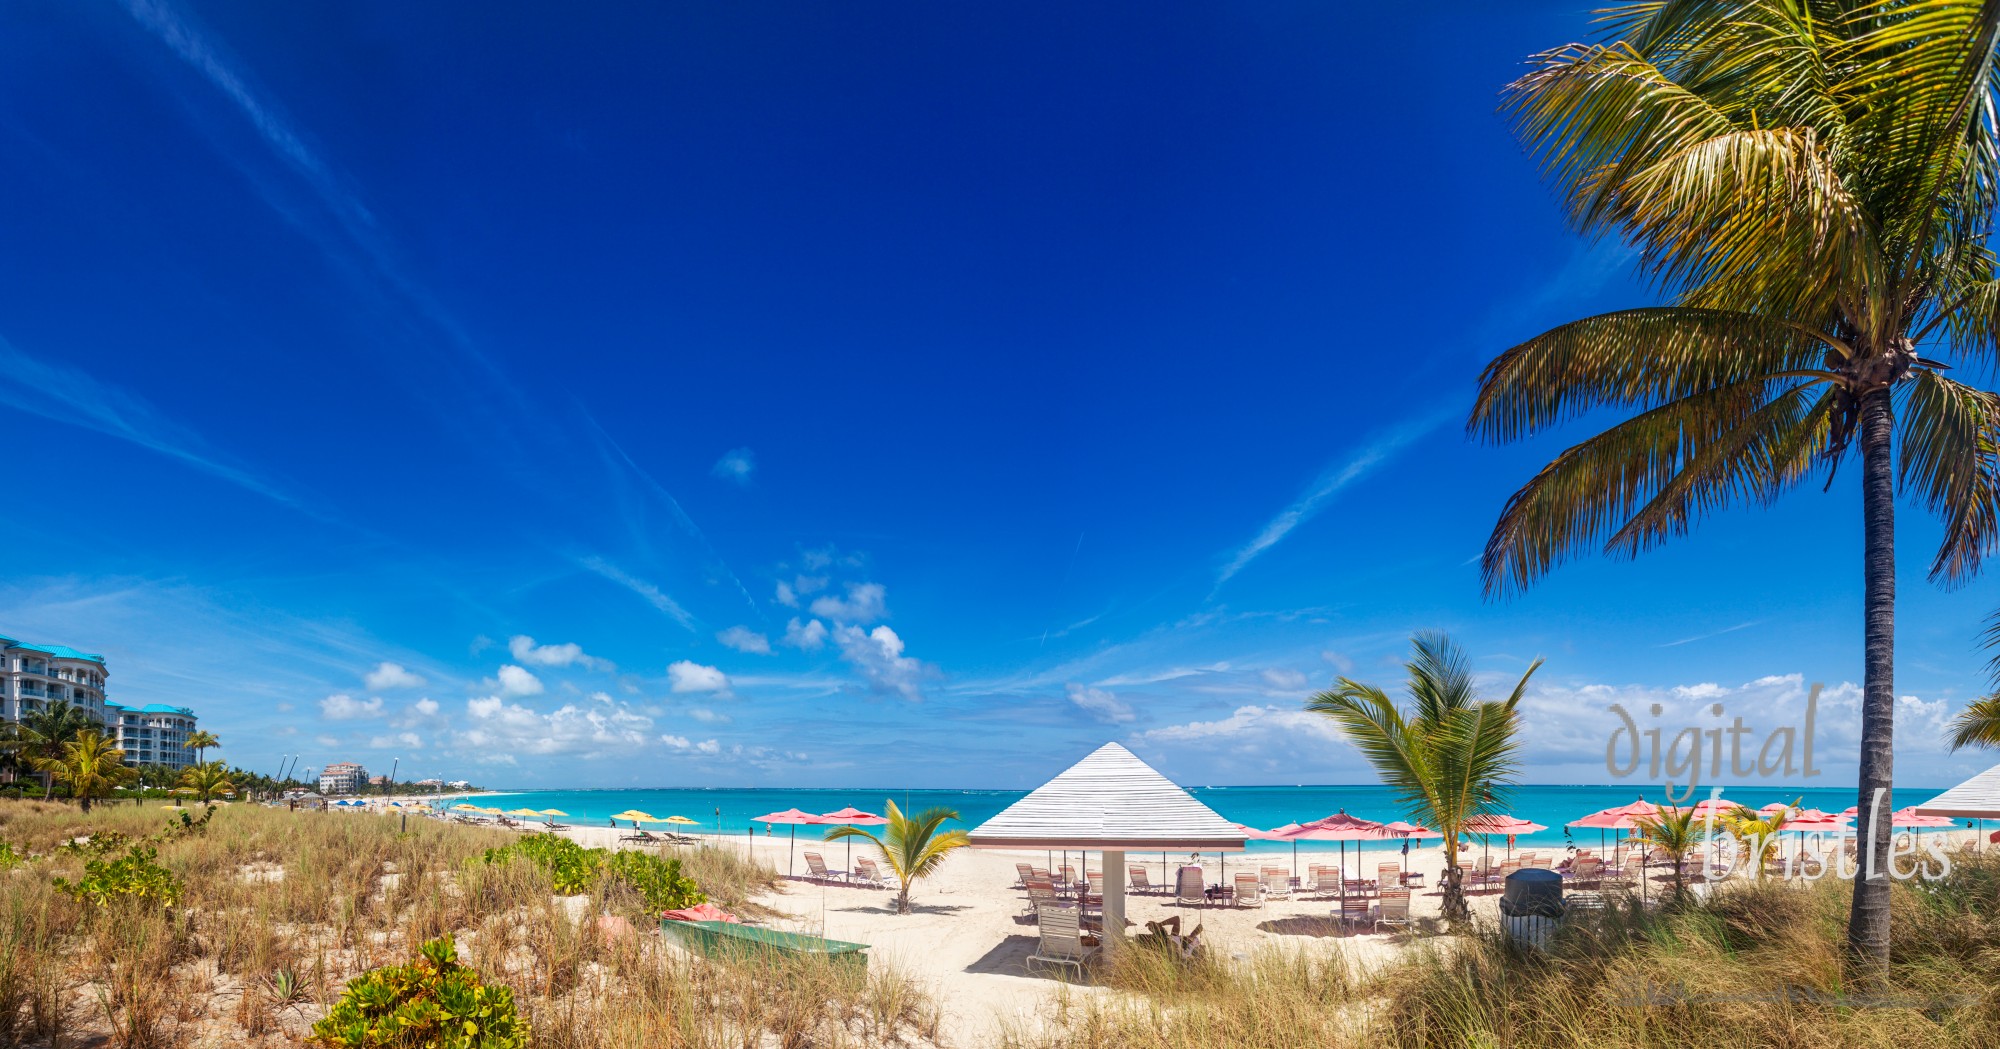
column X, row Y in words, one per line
column 1190, row 887
column 1249, row 890
column 1061, row 940
column 1394, row 910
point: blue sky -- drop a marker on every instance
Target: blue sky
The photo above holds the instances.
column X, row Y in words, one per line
column 865, row 395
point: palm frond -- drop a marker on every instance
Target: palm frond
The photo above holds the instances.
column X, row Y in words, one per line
column 1951, row 462
column 1978, row 725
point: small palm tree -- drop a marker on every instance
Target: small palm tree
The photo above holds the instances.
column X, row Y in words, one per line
column 1675, row 832
column 90, row 765
column 913, row 847
column 1758, row 833
column 42, row 734
column 1452, row 757
column 199, row 740
column 206, row 780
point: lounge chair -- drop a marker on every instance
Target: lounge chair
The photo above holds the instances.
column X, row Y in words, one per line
column 1326, row 881
column 1394, row 910
column 1277, row 882
column 1413, row 879
column 1353, row 911
column 1025, row 872
column 1067, row 878
column 1061, row 940
column 870, row 875
column 1587, row 873
column 1190, row 887
column 1389, row 876
column 645, row 836
column 816, row 869
column 1249, row 890
column 1093, row 893
column 1136, row 883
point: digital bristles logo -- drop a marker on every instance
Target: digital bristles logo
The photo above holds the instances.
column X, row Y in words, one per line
column 1683, row 758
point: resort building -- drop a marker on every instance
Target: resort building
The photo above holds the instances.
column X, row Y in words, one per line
column 342, row 778
column 154, row 734
column 33, row 676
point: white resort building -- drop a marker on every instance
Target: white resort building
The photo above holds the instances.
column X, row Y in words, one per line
column 343, row 777
column 34, row 676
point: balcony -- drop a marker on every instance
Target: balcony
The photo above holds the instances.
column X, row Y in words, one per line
column 31, row 690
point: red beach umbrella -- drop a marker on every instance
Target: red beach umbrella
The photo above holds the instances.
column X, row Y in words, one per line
column 793, row 817
column 1342, row 828
column 852, row 817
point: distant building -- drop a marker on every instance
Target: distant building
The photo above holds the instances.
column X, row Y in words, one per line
column 33, row 676
column 431, row 782
column 344, row 777
column 459, row 784
column 154, row 734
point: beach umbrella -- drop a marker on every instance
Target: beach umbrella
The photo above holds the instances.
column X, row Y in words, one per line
column 1618, row 817
column 637, row 817
column 1280, row 834
column 552, row 814
column 679, row 819
column 852, row 817
column 1342, row 828
column 1495, row 823
column 793, row 817
column 466, row 808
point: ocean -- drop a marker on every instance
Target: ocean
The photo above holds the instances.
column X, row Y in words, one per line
column 729, row 811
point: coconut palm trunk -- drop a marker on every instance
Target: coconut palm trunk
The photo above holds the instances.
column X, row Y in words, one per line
column 1868, row 918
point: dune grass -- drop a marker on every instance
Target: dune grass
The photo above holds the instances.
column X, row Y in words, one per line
column 278, row 910
column 1755, row 966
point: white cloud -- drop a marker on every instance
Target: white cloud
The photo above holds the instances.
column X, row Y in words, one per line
column 654, row 596
column 1338, row 661
column 1155, row 677
column 326, row 741
column 602, row 697
column 1261, row 721
column 1705, row 690
column 863, row 604
column 689, row 676
column 785, row 595
column 517, row 681
column 808, row 637
column 409, row 740
column 425, row 707
column 386, row 676
column 707, row 716
column 528, row 653
column 343, row 707
column 1284, row 679
column 878, row 656
column 1100, row 704
column 682, row 743
column 497, row 726
column 736, row 465
column 744, row 639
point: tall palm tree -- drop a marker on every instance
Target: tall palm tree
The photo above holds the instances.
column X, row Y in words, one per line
column 199, row 740
column 1813, row 183
column 91, row 765
column 1675, row 832
column 207, row 780
column 1451, row 757
column 914, row 847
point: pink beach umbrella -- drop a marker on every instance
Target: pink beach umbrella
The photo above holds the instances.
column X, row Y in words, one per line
column 1620, row 817
column 1495, row 823
column 1283, row 833
column 793, row 817
column 1342, row 828
column 852, row 817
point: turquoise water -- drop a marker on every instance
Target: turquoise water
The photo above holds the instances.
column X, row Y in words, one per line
column 729, row 811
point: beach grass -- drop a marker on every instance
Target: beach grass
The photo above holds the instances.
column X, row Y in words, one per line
column 277, row 910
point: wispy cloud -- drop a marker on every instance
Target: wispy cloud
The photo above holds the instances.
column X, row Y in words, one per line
column 615, row 456
column 1712, row 633
column 654, row 596
column 66, row 395
column 1328, row 485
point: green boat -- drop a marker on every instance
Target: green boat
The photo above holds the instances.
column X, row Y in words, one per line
column 728, row 939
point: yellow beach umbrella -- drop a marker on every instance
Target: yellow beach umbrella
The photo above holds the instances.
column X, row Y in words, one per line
column 554, row 812
column 679, row 819
column 467, row 808
column 638, row 817
column 522, row 812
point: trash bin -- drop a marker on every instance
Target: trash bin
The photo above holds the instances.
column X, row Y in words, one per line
column 1531, row 905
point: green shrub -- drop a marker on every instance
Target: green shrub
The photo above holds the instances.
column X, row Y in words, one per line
column 574, row 870
column 431, row 1002
column 9, row 859
column 133, row 876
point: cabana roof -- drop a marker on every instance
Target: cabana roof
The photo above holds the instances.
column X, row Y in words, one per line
column 1976, row 798
column 1109, row 801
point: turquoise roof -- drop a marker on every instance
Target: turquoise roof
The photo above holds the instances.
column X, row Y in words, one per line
column 60, row 651
column 161, row 708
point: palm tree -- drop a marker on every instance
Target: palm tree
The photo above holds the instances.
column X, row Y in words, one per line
column 1813, row 182
column 42, row 734
column 1450, row 758
column 206, row 780
column 1978, row 725
column 199, row 740
column 91, row 765
column 913, row 847
column 1758, row 833
column 1675, row 832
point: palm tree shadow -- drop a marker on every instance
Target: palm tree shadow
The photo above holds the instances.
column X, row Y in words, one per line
column 1301, row 925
